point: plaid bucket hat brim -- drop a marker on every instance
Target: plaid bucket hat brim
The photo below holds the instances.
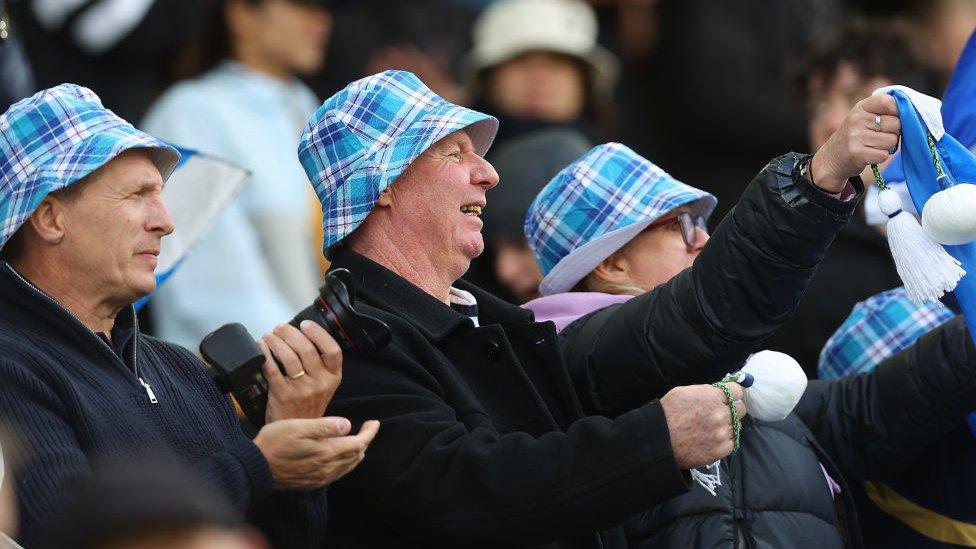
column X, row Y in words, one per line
column 363, row 138
column 574, row 267
column 55, row 139
column 595, row 206
column 876, row 329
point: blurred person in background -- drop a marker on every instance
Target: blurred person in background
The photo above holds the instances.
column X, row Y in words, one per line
column 536, row 64
column 426, row 37
column 507, row 268
column 16, row 78
column 121, row 49
column 866, row 56
column 942, row 28
column 712, row 100
column 259, row 263
column 81, row 223
column 144, row 502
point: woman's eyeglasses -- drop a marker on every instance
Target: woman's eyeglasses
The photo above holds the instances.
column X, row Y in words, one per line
column 689, row 225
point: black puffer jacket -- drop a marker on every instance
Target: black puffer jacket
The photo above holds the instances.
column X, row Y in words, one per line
column 775, row 491
column 771, row 493
column 485, row 438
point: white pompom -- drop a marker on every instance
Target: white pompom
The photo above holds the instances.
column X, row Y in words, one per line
column 927, row 270
column 949, row 216
column 778, row 383
column 889, row 201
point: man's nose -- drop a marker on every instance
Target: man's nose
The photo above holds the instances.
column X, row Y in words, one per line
column 701, row 238
column 160, row 220
column 484, row 174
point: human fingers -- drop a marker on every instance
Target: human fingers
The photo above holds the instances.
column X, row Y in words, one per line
column 879, row 140
column 307, row 352
column 324, row 427
column 326, row 346
column 740, row 406
column 285, row 355
column 271, row 371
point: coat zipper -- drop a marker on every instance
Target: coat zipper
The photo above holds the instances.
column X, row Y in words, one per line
column 135, row 335
column 739, row 507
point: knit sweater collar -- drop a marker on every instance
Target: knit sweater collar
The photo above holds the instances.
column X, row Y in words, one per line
column 24, row 304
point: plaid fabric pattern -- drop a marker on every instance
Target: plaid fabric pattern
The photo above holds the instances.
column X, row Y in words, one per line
column 55, row 138
column 609, row 188
column 877, row 328
column 363, row 137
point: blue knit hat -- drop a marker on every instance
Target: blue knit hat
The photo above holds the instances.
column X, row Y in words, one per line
column 877, row 328
column 595, row 206
column 55, row 138
column 363, row 137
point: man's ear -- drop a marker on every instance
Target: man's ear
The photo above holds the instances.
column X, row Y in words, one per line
column 386, row 198
column 615, row 269
column 48, row 220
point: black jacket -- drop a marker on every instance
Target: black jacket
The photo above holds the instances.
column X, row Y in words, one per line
column 71, row 401
column 486, row 439
column 774, row 492
column 858, row 265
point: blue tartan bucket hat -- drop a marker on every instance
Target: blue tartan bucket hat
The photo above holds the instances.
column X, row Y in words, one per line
column 877, row 328
column 54, row 139
column 362, row 138
column 595, row 206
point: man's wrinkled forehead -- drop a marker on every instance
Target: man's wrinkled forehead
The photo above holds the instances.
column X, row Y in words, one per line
column 130, row 171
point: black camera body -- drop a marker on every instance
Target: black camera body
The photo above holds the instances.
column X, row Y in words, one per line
column 236, row 359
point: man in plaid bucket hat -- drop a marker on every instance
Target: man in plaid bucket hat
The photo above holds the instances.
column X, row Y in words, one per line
column 81, row 220
column 489, row 438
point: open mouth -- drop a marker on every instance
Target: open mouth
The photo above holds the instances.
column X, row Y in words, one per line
column 472, row 210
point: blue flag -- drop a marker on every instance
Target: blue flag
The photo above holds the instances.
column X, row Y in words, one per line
column 196, row 193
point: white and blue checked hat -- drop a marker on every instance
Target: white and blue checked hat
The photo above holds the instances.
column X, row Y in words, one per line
column 877, row 328
column 595, row 206
column 55, row 138
column 363, row 137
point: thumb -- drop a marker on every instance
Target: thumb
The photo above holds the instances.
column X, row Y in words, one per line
column 326, row 427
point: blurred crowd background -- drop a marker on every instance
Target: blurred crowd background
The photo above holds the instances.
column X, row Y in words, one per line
column 707, row 90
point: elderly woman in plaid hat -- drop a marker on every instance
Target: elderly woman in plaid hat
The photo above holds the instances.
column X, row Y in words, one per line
column 81, row 221
column 617, row 237
column 488, row 436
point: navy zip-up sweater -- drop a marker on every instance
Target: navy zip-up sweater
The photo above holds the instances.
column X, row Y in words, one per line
column 71, row 400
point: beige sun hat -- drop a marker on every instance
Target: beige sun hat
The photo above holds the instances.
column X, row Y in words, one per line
column 509, row 28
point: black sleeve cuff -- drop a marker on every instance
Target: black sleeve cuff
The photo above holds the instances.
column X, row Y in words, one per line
column 789, row 166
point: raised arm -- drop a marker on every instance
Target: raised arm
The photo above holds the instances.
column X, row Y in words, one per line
column 744, row 284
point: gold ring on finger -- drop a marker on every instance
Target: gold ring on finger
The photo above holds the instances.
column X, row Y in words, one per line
column 298, row 375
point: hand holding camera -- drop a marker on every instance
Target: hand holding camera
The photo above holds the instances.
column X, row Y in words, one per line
column 240, row 367
column 310, row 371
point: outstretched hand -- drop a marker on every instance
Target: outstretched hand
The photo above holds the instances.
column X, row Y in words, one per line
column 869, row 135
